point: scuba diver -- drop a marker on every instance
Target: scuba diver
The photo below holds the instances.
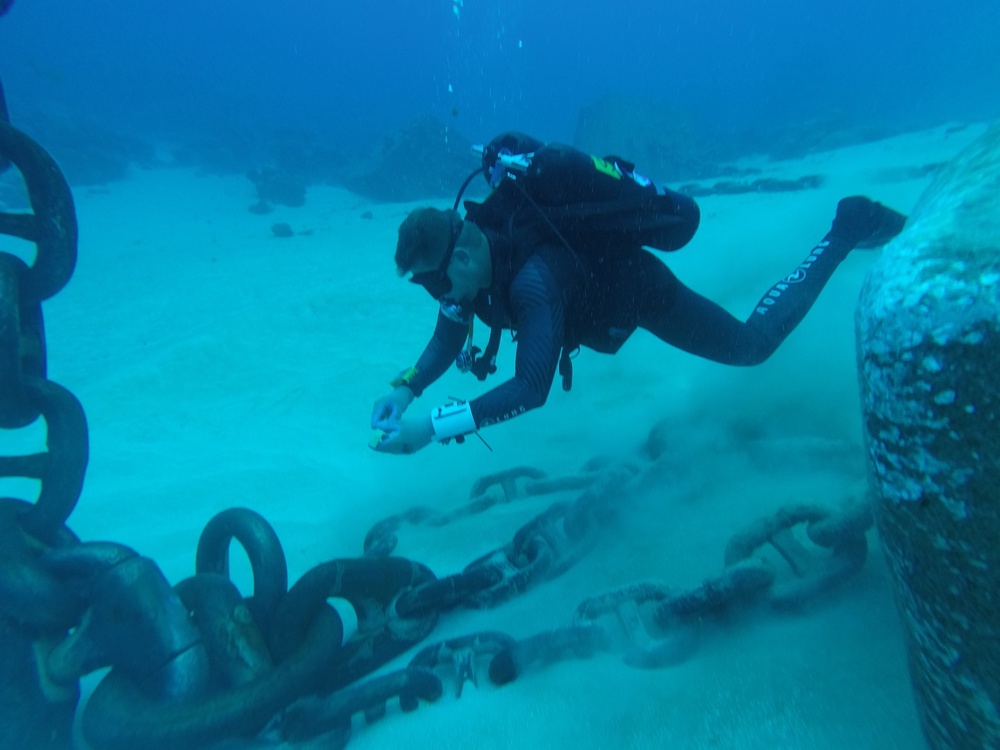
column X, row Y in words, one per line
column 556, row 254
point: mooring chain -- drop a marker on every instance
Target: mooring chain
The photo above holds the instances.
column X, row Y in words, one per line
column 191, row 663
column 541, row 549
column 36, row 607
column 198, row 663
column 25, row 392
column 494, row 489
column 661, row 626
column 653, row 626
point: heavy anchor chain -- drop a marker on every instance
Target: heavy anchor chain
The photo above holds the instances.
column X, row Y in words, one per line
column 542, row 549
column 656, row 627
column 35, row 609
column 198, row 663
column 662, row 626
column 194, row 663
column 229, row 663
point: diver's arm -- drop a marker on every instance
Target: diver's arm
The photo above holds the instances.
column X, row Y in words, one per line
column 537, row 305
column 446, row 343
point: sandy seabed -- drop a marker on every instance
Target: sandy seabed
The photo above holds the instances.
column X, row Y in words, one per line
column 222, row 366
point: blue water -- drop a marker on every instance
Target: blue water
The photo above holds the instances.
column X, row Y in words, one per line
column 354, row 72
column 93, row 78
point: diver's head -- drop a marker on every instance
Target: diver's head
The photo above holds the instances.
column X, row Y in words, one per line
column 448, row 257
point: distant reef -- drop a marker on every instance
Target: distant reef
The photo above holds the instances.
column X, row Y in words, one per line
column 428, row 158
column 88, row 152
column 664, row 142
column 425, row 159
column 671, row 144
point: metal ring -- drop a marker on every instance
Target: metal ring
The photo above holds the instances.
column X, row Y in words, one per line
column 53, row 226
column 263, row 548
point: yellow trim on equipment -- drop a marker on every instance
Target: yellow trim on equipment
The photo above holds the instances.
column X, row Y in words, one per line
column 404, row 377
column 606, row 167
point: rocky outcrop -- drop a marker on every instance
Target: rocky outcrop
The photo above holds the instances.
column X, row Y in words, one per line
column 425, row 159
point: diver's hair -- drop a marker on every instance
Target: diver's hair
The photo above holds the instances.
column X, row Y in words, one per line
column 424, row 237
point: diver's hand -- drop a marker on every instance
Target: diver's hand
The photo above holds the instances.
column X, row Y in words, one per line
column 388, row 410
column 406, row 436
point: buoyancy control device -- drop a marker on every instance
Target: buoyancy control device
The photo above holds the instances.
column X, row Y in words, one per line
column 591, row 203
column 596, row 207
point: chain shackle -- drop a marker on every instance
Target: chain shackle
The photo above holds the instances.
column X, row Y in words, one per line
column 120, row 716
column 236, row 649
column 135, row 622
column 263, row 549
column 313, row 716
column 460, row 656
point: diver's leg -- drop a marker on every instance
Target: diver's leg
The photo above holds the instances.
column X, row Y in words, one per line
column 695, row 324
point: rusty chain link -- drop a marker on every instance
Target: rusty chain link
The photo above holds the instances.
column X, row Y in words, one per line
column 656, row 627
column 197, row 662
column 36, row 608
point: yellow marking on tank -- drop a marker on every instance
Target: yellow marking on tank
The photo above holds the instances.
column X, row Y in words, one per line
column 606, row 167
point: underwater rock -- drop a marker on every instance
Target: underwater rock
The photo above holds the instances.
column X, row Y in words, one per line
column 928, row 326
column 426, row 159
column 275, row 186
column 664, row 143
column 88, row 151
column 282, row 229
column 669, row 143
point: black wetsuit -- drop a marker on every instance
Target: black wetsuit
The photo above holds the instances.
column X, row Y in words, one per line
column 552, row 298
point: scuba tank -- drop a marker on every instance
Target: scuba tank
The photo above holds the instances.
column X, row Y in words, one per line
column 591, row 203
column 596, row 208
